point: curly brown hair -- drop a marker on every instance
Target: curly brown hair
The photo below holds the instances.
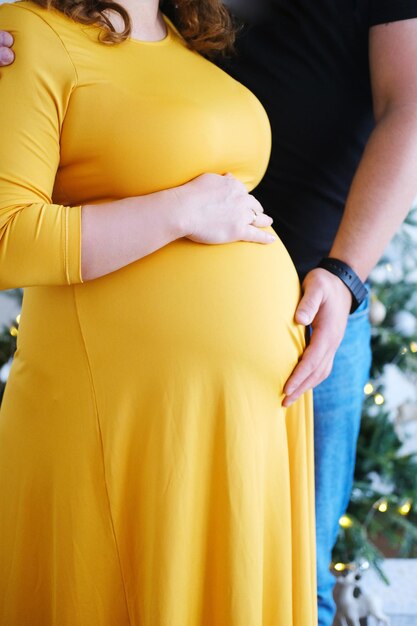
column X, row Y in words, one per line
column 206, row 25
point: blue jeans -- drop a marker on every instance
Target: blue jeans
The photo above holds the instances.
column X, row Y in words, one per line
column 337, row 411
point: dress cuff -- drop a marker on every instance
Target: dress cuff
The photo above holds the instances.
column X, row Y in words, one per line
column 72, row 251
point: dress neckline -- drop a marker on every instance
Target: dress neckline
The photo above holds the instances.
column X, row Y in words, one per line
column 158, row 42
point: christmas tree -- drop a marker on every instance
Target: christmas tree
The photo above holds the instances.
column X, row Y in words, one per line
column 382, row 514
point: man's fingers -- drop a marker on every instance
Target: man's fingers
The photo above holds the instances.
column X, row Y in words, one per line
column 5, row 39
column 308, row 306
column 313, row 364
column 325, row 304
column 312, row 381
column 311, row 360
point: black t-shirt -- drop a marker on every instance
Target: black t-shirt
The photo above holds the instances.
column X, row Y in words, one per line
column 307, row 61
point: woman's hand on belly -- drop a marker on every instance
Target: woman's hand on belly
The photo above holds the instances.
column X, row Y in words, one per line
column 218, row 209
column 210, row 209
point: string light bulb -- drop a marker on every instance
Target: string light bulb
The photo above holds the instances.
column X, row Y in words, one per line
column 345, row 521
column 340, row 567
column 381, row 505
column 405, row 508
column 369, row 389
column 413, row 347
column 18, row 319
column 13, row 331
column 379, row 399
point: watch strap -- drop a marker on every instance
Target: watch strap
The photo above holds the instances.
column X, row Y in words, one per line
column 348, row 277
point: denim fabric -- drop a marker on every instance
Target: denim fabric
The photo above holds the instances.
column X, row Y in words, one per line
column 337, row 410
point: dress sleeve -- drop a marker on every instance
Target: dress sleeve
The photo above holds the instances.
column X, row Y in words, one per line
column 385, row 11
column 40, row 242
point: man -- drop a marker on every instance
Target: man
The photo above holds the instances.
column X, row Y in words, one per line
column 338, row 185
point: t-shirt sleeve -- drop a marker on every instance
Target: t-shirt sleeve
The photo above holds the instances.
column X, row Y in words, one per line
column 385, row 11
column 40, row 241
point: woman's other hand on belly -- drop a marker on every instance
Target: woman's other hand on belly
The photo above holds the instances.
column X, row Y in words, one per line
column 215, row 209
column 210, row 209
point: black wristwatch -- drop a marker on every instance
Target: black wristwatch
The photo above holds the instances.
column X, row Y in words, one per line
column 348, row 277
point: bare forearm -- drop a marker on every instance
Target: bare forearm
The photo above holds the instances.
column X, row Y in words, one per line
column 210, row 209
column 382, row 192
column 115, row 234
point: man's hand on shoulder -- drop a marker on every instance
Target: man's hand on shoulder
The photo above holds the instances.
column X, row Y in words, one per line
column 325, row 305
column 6, row 53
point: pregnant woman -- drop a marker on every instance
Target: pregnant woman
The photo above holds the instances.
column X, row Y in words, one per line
column 149, row 474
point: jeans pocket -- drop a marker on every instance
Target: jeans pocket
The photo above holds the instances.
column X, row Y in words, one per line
column 362, row 310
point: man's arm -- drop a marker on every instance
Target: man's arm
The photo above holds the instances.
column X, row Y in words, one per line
column 6, row 54
column 380, row 197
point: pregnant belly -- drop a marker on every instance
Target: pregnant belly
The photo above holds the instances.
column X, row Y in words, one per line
column 196, row 304
column 187, row 308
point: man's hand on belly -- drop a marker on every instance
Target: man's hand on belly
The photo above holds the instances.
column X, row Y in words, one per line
column 325, row 305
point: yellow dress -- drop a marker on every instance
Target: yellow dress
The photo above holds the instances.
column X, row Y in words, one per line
column 149, row 475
